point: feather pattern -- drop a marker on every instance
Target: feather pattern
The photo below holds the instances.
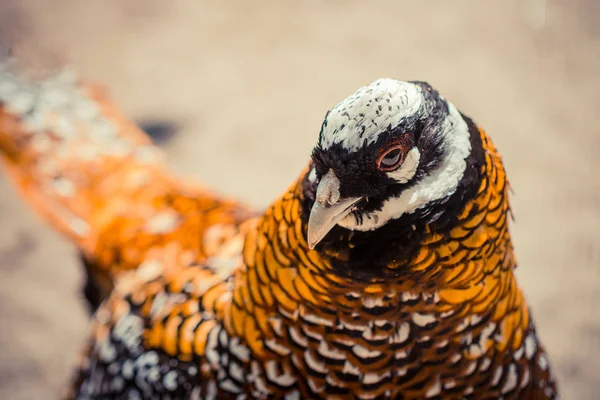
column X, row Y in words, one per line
column 206, row 299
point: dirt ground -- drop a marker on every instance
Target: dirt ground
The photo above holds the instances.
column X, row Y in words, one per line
column 248, row 85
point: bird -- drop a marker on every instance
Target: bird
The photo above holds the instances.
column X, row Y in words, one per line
column 385, row 270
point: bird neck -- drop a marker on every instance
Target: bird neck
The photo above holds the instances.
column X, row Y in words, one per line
column 287, row 291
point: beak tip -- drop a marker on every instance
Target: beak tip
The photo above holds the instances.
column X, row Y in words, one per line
column 310, row 241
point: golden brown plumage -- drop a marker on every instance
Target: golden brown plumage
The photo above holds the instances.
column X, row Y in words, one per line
column 107, row 188
column 211, row 301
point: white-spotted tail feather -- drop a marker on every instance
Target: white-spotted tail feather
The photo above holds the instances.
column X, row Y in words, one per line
column 60, row 139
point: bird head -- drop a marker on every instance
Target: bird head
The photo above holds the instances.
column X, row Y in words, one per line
column 391, row 151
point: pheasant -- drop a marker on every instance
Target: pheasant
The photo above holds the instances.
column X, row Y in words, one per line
column 384, row 271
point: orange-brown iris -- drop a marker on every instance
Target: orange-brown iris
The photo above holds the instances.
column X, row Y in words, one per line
column 391, row 158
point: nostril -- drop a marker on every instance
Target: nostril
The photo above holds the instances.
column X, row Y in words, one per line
column 329, row 189
column 334, row 196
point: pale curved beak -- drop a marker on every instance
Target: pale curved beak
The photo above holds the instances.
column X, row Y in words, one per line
column 328, row 209
column 324, row 217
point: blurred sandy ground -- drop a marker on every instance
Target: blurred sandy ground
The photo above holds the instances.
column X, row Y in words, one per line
column 249, row 85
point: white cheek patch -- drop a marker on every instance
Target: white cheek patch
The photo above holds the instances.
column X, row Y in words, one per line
column 440, row 183
column 312, row 175
column 408, row 169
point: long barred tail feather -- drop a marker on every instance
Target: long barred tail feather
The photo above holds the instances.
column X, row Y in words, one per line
column 97, row 177
column 62, row 140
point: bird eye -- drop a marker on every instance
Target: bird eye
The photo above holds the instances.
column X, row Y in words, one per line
column 390, row 159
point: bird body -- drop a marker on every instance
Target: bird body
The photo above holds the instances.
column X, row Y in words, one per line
column 384, row 271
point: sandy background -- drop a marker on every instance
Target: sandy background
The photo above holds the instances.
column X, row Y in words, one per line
column 248, row 85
